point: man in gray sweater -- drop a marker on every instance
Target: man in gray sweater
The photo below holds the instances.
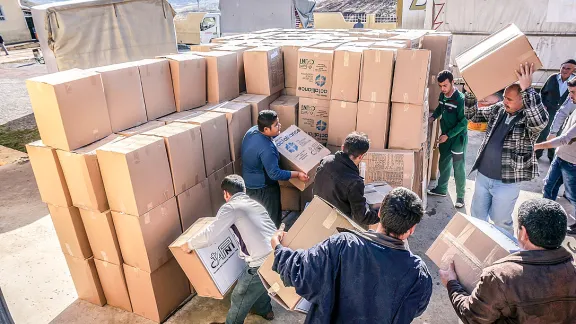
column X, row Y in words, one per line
column 563, row 167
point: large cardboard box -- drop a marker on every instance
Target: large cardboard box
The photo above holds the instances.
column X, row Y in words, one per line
column 214, row 182
column 327, row 45
column 376, row 76
column 70, row 230
column 316, row 223
column 290, row 57
column 195, row 203
column 237, row 166
column 82, row 173
column 188, row 79
column 411, row 76
column 300, row 152
column 239, row 116
column 413, row 117
column 440, row 46
column 396, row 167
column 185, row 154
column 49, row 175
column 124, row 96
column 215, row 142
column 239, row 50
column 473, row 244
column 491, row 65
column 70, row 108
column 314, row 73
column 287, row 109
column 290, row 198
column 434, row 164
column 156, row 295
column 86, row 281
column 113, row 284
column 212, row 270
column 373, row 120
column 342, row 121
column 346, row 75
column 142, row 128
column 258, row 103
column 289, row 92
column 222, row 75
column 264, row 69
column 412, row 38
column 157, row 87
column 391, row 44
column 144, row 239
column 375, row 193
column 313, row 117
column 136, row 174
column 102, row 235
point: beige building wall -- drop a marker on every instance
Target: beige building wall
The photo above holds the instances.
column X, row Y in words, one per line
column 13, row 28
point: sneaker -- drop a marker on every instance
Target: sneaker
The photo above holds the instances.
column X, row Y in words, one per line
column 571, row 229
column 459, row 203
column 433, row 192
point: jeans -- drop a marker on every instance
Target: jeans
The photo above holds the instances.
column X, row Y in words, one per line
column 248, row 294
column 269, row 197
column 561, row 172
column 495, row 200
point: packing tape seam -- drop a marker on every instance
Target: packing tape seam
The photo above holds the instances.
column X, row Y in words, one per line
column 330, row 219
column 454, row 241
column 274, row 289
column 346, row 59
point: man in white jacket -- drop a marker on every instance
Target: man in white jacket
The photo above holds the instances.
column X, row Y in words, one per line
column 253, row 228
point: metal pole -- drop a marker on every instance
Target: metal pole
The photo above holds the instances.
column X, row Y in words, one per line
column 5, row 317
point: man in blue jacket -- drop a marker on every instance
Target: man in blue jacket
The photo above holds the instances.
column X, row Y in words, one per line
column 260, row 167
column 369, row 277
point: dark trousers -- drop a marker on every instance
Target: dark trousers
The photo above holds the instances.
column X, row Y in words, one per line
column 561, row 172
column 544, row 134
column 269, row 197
column 248, row 294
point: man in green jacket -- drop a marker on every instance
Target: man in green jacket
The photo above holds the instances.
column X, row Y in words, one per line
column 454, row 138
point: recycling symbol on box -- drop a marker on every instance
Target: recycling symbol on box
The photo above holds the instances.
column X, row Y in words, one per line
column 321, row 125
column 320, row 80
column 291, row 147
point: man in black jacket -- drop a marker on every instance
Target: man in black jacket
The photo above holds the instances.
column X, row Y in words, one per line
column 338, row 180
column 2, row 46
column 554, row 94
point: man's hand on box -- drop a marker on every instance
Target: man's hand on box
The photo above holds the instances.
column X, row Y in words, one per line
column 277, row 238
column 303, row 176
column 448, row 274
column 525, row 75
column 185, row 248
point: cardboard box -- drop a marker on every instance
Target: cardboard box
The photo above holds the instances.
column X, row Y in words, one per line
column 82, row 173
column 373, row 120
column 70, row 230
column 411, row 76
column 102, row 235
column 473, row 244
column 237, row 166
column 314, row 73
column 49, row 175
column 144, row 239
column 203, row 47
column 86, row 281
column 342, row 120
column 195, row 203
column 214, row 181
column 188, row 79
column 290, row 198
column 375, row 193
column 412, row 38
column 142, row 128
column 124, row 96
column 434, row 164
column 239, row 117
column 289, row 92
column 215, row 142
column 346, row 75
column 313, row 117
column 395, row 167
column 70, row 108
column 440, row 46
column 376, row 76
column 300, row 152
column 222, row 75
column 406, row 116
column 316, row 223
column 156, row 295
column 306, row 197
column 136, row 174
column 335, row 148
column 497, row 58
column 258, row 103
column 287, row 109
column 113, row 284
column 391, row 44
column 212, row 270
column 239, row 50
column 433, row 95
column 327, row 45
column 157, row 87
column 290, row 58
column 264, row 70
column 185, row 154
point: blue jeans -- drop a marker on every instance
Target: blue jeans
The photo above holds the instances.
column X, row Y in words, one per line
column 494, row 200
column 561, row 172
column 248, row 294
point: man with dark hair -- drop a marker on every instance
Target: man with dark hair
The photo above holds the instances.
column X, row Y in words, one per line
column 554, row 94
column 338, row 180
column 362, row 277
column 506, row 156
column 358, row 24
column 454, row 138
column 260, row 166
column 534, row 285
column 253, row 229
column 563, row 167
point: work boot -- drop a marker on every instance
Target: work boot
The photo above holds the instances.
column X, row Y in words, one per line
column 571, row 229
column 459, row 203
column 269, row 316
column 434, row 192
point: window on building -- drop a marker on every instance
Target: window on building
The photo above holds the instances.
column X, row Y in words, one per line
column 2, row 17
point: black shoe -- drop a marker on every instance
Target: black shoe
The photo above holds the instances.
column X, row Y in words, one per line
column 459, row 203
column 433, row 192
column 571, row 230
column 268, row 317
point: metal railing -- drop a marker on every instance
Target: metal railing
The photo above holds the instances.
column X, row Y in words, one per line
column 353, row 17
column 385, row 18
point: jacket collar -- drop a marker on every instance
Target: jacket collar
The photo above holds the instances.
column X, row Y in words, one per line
column 379, row 238
column 345, row 159
column 238, row 196
column 538, row 257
